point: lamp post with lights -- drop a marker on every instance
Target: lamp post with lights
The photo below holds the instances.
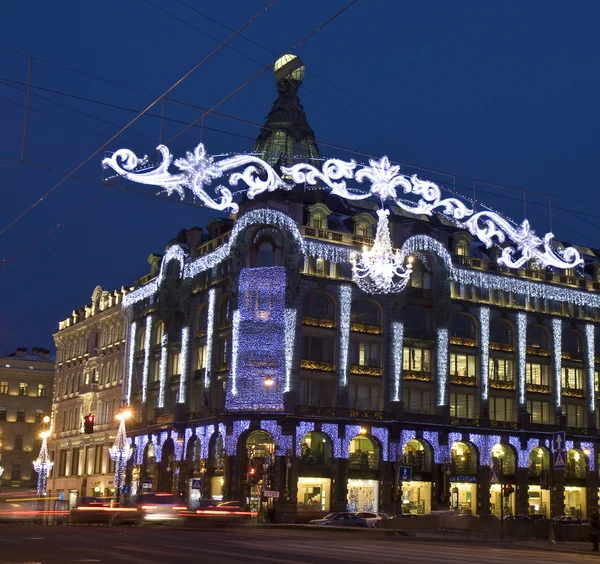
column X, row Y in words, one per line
column 120, row 452
column 42, row 464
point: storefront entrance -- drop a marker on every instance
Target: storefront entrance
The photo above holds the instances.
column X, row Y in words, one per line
column 416, row 498
column 539, row 501
column 463, row 497
column 575, row 502
column 363, row 495
column 314, row 494
column 497, row 499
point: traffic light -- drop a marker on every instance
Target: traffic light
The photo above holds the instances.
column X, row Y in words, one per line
column 508, row 489
column 252, row 475
column 88, row 423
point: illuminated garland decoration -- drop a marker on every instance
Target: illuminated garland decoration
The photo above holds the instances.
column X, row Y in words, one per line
column 345, row 307
column 162, row 369
column 42, row 465
column 591, row 459
column 302, row 429
column 231, row 441
column 147, row 354
column 406, row 435
column 175, row 252
column 210, row 324
column 331, row 430
column 442, row 365
column 523, row 455
column 283, row 443
column 484, row 321
column 379, row 269
column 178, row 447
column 590, row 337
column 131, row 366
column 183, row 362
column 441, row 453
column 205, row 434
column 397, row 351
column 521, row 355
column 557, row 358
column 383, row 436
column 260, row 356
column 187, row 435
column 290, row 338
column 485, row 444
column 350, row 431
column 418, row 244
column 235, row 342
column 140, row 446
column 120, row 453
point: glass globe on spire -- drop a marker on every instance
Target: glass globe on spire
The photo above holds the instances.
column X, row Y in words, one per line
column 289, row 67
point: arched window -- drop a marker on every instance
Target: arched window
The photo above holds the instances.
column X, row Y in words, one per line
column 366, row 312
column 539, row 461
column 267, row 248
column 420, row 277
column 575, row 464
column 116, row 375
column 160, row 329
column 363, row 453
column 462, row 248
column 464, row 459
column 501, row 331
column 225, row 312
column 463, row 326
column 108, row 374
column 571, row 343
column 537, row 336
column 315, row 450
column 363, row 229
column 417, row 455
column 506, row 458
column 141, row 339
column 102, row 378
column 319, row 305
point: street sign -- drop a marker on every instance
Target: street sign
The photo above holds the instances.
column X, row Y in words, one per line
column 146, row 484
column 125, row 490
column 270, row 493
column 494, row 477
column 559, row 460
column 196, row 484
column 558, row 440
column 404, row 473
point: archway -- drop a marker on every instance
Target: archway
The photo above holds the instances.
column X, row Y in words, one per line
column 260, row 450
column 575, row 484
column 539, row 482
column 216, row 467
column 503, row 460
column 463, row 487
column 149, row 468
column 314, row 476
column 416, row 494
column 195, row 470
column 363, row 473
column 166, row 467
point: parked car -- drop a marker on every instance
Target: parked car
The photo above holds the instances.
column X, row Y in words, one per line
column 567, row 520
column 341, row 519
column 371, row 518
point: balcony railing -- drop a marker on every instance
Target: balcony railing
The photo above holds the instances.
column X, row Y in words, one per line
column 417, row 376
column 572, row 392
column 463, row 380
column 336, row 237
column 537, row 351
column 365, row 328
column 365, row 370
column 317, row 365
column 506, row 347
column 463, row 341
column 318, row 322
column 502, row 384
column 576, row 356
column 538, row 388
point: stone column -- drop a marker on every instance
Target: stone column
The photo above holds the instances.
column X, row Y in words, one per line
column 339, row 489
column 522, row 487
column 557, row 494
column 592, row 494
column 483, row 490
column 386, row 487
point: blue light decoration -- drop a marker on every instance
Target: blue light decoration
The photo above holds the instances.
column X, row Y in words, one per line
column 383, row 436
column 591, row 458
column 210, row 324
column 397, row 350
column 204, row 434
column 290, row 338
column 557, row 359
column 231, row 441
column 590, row 337
column 162, row 369
column 484, row 347
column 350, row 432
column 405, row 436
column 187, row 435
column 441, row 453
column 442, row 365
column 521, row 355
column 454, row 438
column 485, row 444
column 260, row 362
column 345, row 309
column 146, row 367
column 131, row 359
column 331, row 430
column 283, row 443
column 569, row 445
column 303, row 428
column 159, row 443
column 183, row 362
column 140, row 446
column 522, row 455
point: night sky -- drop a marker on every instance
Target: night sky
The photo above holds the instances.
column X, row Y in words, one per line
column 505, row 92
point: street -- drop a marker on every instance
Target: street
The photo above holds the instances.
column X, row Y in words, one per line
column 57, row 545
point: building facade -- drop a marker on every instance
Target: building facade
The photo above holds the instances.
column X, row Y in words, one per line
column 88, row 380
column 25, row 399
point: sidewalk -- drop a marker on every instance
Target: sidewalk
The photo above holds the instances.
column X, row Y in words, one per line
column 572, row 547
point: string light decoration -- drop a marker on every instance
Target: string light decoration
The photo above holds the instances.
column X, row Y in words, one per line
column 380, row 269
column 42, row 464
column 147, row 355
column 590, row 337
column 521, row 354
column 162, row 369
column 485, row 444
column 331, row 430
column 159, row 443
column 397, row 351
column 177, row 253
column 591, row 457
column 383, row 436
column 121, row 451
column 210, row 325
column 283, row 443
column 302, row 429
column 345, row 310
column 260, row 355
column 418, row 244
column 405, row 436
column 557, row 359
column 231, row 441
column 187, row 435
column 140, row 446
column 523, row 455
column 484, row 322
column 235, row 343
column 442, row 365
column 131, row 365
column 290, row 338
column 350, row 431
column 441, row 453
column 183, row 362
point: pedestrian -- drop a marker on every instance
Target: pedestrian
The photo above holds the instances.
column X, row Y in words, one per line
column 594, row 530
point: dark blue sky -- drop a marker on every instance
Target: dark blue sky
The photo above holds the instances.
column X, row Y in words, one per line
column 506, row 92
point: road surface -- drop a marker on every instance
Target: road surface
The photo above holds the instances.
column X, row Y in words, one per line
column 29, row 544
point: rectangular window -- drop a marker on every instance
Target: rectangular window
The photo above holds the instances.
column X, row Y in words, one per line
column 223, row 352
column 111, row 466
column 462, row 365
column 416, row 360
column 364, row 397
column 364, row 354
column 62, row 463
column 318, row 349
column 418, row 401
column 462, row 405
column 501, row 370
column 316, row 392
column 87, row 463
column 75, row 462
column 39, row 415
column 64, row 423
column 4, row 388
column 537, row 374
column 2, row 413
column 574, row 415
column 22, row 389
column 18, row 442
column 106, row 408
column 201, row 358
column 41, row 390
column 539, row 411
column 175, row 371
column 502, row 409
column 572, row 378
column 20, row 416
column 98, row 459
column 15, row 474
column 76, row 420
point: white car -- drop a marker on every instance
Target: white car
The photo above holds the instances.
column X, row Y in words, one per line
column 371, row 518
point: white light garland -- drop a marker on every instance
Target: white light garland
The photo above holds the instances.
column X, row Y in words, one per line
column 442, row 364
column 139, row 294
column 521, row 355
column 235, row 340
column 210, row 323
column 175, row 252
column 345, row 307
column 162, row 369
column 484, row 346
column 131, row 366
column 120, row 453
column 42, row 465
column 590, row 337
column 397, row 350
column 147, row 356
column 183, row 363
column 557, row 359
column 290, row 338
column 426, row 244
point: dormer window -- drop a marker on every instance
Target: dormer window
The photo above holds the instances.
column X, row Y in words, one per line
column 462, row 248
column 317, row 221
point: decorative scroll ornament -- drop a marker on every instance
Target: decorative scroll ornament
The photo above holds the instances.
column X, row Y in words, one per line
column 198, row 170
column 381, row 269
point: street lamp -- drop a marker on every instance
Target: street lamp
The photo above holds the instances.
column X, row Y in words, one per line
column 42, row 464
column 120, row 452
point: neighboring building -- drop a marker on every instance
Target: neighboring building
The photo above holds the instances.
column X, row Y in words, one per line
column 256, row 362
column 25, row 399
column 88, row 380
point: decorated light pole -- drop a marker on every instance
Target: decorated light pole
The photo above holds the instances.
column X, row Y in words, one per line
column 42, row 464
column 120, row 452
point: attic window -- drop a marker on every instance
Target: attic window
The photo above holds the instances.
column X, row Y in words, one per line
column 462, row 249
column 316, row 221
column 363, row 229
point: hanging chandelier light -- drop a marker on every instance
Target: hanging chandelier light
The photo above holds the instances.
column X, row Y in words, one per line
column 380, row 269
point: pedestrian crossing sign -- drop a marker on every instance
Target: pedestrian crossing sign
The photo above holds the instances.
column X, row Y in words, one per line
column 559, row 460
column 494, row 477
